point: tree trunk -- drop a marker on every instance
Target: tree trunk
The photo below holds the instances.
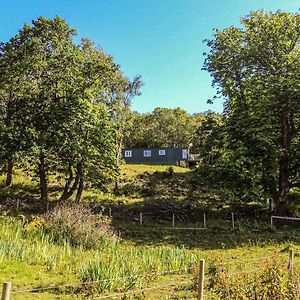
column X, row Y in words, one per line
column 43, row 179
column 68, row 182
column 68, row 192
column 80, row 184
column 284, row 185
column 283, row 179
column 9, row 172
column 118, row 146
column 116, row 186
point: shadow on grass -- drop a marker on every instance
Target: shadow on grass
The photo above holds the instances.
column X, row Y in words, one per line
column 162, row 183
column 251, row 225
column 210, row 238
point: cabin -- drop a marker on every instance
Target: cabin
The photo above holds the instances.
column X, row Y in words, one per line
column 158, row 156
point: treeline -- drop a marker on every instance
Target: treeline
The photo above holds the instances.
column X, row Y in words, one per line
column 253, row 151
column 167, row 127
column 63, row 108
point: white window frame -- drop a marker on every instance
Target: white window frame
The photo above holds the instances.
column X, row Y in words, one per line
column 184, row 154
column 147, row 153
column 128, row 153
column 161, row 152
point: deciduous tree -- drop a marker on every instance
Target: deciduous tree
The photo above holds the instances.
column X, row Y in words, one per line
column 256, row 68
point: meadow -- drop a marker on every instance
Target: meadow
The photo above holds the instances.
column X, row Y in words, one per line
column 149, row 261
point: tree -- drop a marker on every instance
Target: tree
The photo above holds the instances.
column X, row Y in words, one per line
column 105, row 84
column 164, row 127
column 59, row 94
column 256, row 68
column 40, row 58
column 209, row 137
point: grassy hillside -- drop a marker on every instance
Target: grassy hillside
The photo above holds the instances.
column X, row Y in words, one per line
column 37, row 251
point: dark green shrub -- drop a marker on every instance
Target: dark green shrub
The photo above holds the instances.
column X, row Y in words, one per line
column 293, row 203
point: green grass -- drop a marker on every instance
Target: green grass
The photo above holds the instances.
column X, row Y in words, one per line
column 30, row 259
column 129, row 171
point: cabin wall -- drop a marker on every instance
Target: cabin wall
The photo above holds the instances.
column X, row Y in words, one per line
column 171, row 155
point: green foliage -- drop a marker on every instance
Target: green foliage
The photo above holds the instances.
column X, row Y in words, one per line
column 209, row 137
column 136, row 267
column 62, row 107
column 27, row 251
column 164, row 127
column 256, row 69
column 293, row 205
column 271, row 281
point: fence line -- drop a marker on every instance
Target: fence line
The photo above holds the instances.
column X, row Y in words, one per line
column 6, row 292
column 247, row 260
column 164, row 273
column 232, row 220
column 286, row 218
column 142, row 290
column 283, row 218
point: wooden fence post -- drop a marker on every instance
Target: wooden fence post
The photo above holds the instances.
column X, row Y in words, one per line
column 173, row 220
column 291, row 260
column 141, row 218
column 232, row 220
column 271, row 222
column 6, row 291
column 109, row 212
column 201, row 280
column 204, row 220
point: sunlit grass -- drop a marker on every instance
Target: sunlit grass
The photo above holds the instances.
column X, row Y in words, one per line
column 30, row 259
column 132, row 170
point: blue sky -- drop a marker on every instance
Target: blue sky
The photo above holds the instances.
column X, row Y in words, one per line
column 162, row 40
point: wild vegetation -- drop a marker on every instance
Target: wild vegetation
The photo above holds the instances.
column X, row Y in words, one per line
column 76, row 244
column 70, row 224
column 63, row 107
column 256, row 70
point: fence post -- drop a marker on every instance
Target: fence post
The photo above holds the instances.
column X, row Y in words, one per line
column 291, row 260
column 6, row 291
column 141, row 218
column 232, row 220
column 109, row 212
column 201, row 280
column 173, row 220
column 204, row 220
column 271, row 222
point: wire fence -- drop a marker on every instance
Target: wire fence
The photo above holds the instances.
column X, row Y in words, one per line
column 197, row 272
column 232, row 220
column 52, row 287
column 144, row 289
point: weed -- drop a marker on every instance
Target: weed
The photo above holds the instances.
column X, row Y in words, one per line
column 77, row 225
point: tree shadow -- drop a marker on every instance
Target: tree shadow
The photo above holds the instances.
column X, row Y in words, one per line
column 156, row 226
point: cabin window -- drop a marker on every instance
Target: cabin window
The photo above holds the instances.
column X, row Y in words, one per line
column 147, row 153
column 128, row 153
column 184, row 154
column 161, row 152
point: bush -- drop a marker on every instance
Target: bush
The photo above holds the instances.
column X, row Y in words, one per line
column 269, row 281
column 293, row 203
column 77, row 225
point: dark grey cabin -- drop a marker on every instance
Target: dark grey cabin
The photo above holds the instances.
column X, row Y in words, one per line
column 159, row 156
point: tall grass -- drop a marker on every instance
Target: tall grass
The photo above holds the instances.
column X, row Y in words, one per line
column 125, row 268
column 117, row 265
column 111, row 261
column 272, row 279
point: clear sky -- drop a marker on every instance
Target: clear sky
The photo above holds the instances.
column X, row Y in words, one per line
column 161, row 40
